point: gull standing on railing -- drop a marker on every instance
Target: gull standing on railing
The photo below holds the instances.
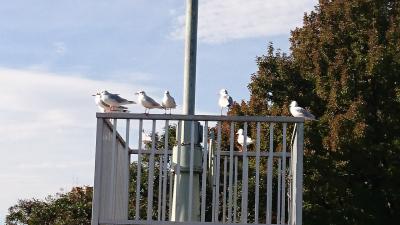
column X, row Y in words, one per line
column 168, row 102
column 240, row 139
column 147, row 102
column 105, row 107
column 298, row 111
column 114, row 100
column 225, row 100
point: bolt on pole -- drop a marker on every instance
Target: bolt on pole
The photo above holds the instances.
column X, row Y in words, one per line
column 180, row 203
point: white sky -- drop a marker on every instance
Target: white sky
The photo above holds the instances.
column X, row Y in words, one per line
column 55, row 54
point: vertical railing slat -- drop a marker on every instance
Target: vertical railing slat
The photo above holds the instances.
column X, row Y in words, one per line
column 159, row 205
column 235, row 191
column 290, row 187
column 151, row 173
column 217, row 172
column 269, row 174
column 191, row 170
column 257, row 187
column 244, row 178
column 283, row 198
column 224, row 190
column 139, row 169
column 204, row 175
column 213, row 162
column 113, row 168
column 165, row 171
column 128, row 162
column 171, row 182
column 179, row 141
column 278, row 207
column 231, row 148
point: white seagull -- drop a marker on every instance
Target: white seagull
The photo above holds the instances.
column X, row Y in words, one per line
column 225, row 101
column 114, row 100
column 240, row 139
column 168, row 102
column 105, row 107
column 298, row 111
column 146, row 137
column 147, row 102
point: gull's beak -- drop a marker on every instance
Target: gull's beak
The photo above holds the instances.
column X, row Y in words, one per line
column 136, row 93
column 94, row 95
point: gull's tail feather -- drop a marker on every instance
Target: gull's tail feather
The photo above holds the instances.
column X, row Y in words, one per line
column 158, row 105
column 310, row 116
column 130, row 102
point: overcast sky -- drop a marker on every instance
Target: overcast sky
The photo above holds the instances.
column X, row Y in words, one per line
column 55, row 54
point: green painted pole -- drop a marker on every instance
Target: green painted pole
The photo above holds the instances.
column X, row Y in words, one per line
column 184, row 206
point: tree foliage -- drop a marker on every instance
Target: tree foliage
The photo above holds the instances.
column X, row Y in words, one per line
column 73, row 208
column 345, row 66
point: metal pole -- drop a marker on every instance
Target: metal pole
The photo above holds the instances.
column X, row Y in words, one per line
column 181, row 211
column 189, row 93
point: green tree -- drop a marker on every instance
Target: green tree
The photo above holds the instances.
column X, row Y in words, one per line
column 345, row 65
column 73, row 208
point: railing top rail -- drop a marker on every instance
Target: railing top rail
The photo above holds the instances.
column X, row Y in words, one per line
column 277, row 119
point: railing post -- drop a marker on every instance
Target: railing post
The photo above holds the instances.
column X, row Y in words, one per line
column 97, row 173
column 297, row 173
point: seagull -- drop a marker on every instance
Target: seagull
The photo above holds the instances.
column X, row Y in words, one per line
column 168, row 102
column 298, row 111
column 105, row 107
column 114, row 100
column 146, row 137
column 147, row 102
column 240, row 139
column 225, row 101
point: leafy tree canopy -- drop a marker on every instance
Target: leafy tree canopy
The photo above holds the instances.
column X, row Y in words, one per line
column 72, row 208
column 345, row 66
